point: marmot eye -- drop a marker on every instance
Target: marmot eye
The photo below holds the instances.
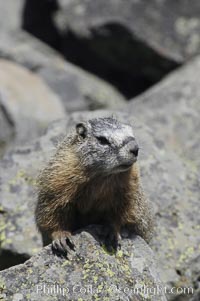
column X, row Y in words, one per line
column 103, row 140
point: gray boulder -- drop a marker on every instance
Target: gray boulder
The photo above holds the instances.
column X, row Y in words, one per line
column 77, row 89
column 130, row 43
column 169, row 28
column 90, row 274
column 171, row 109
column 27, row 104
column 80, row 90
column 19, row 238
column 6, row 129
column 10, row 15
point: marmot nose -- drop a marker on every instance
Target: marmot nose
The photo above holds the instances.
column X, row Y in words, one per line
column 133, row 148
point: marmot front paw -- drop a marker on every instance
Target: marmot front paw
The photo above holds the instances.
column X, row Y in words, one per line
column 110, row 239
column 63, row 245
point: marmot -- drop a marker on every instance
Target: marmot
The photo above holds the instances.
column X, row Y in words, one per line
column 93, row 179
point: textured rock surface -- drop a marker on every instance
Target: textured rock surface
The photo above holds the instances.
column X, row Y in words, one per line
column 80, row 90
column 125, row 39
column 6, row 129
column 172, row 111
column 13, row 9
column 166, row 180
column 170, row 28
column 75, row 87
column 18, row 235
column 129, row 43
column 27, row 105
column 90, row 274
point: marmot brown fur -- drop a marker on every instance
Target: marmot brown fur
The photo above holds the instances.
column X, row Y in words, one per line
column 93, row 179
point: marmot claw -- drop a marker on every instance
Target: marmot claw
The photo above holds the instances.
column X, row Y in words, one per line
column 63, row 246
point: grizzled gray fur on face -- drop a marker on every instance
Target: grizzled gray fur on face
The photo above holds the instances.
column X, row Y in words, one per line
column 106, row 145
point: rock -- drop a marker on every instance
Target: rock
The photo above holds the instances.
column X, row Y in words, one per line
column 90, row 274
column 80, row 90
column 28, row 51
column 171, row 189
column 10, row 15
column 77, row 89
column 19, row 238
column 38, row 20
column 6, row 129
column 27, row 105
column 129, row 43
column 171, row 109
column 168, row 28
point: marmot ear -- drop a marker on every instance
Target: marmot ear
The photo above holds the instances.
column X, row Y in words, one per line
column 81, row 129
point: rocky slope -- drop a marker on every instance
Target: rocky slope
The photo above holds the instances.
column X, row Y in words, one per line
column 132, row 45
column 165, row 189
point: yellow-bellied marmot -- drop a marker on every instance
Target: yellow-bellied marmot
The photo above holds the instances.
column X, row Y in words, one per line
column 93, row 179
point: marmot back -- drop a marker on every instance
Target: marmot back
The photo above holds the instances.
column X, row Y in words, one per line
column 93, row 179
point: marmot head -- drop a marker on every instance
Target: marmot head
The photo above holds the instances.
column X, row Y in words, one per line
column 106, row 146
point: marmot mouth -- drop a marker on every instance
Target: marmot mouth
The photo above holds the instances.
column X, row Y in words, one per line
column 125, row 166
